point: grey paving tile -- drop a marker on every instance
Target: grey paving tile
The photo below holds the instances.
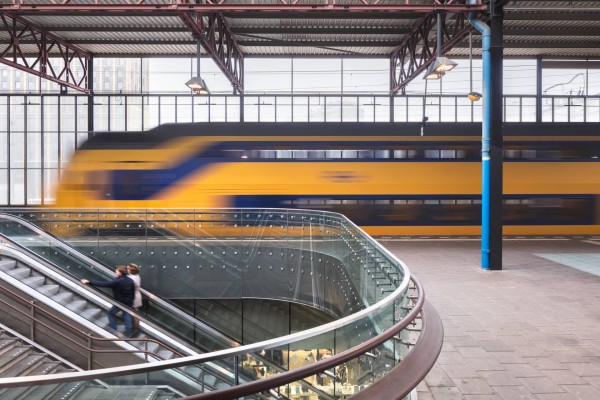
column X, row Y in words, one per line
column 451, row 357
column 446, row 393
column 473, row 386
column 499, row 378
column 493, row 345
column 545, row 363
column 564, row 377
column 583, row 392
column 486, row 364
column 438, row 377
column 584, row 369
column 460, row 371
column 541, row 385
column 523, row 371
column 481, row 397
column 554, row 396
column 471, row 352
column 515, row 393
column 508, row 357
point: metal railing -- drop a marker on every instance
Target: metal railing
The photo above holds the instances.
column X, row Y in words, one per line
column 36, row 315
column 134, row 112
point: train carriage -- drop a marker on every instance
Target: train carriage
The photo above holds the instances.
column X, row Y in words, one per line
column 385, row 177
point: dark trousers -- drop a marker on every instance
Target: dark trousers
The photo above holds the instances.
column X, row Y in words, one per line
column 112, row 320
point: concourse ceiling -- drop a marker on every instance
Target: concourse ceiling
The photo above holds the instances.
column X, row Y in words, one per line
column 231, row 30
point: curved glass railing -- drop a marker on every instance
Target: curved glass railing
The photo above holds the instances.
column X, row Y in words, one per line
column 316, row 258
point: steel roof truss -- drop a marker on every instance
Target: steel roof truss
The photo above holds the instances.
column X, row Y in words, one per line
column 43, row 65
column 218, row 41
column 417, row 51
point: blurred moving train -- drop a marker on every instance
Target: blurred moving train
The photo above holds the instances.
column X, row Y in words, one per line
column 385, row 177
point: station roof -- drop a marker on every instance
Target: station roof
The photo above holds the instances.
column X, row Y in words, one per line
column 271, row 28
column 405, row 31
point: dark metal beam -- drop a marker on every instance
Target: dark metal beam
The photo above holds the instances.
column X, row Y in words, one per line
column 230, row 7
column 266, row 42
column 60, row 68
column 356, row 15
column 570, row 44
column 218, row 41
column 363, row 30
column 318, row 43
column 555, row 16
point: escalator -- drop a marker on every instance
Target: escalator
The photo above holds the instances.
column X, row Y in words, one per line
column 71, row 319
column 160, row 316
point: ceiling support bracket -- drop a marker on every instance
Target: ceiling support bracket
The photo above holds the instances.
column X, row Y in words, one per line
column 416, row 51
column 68, row 68
column 218, row 41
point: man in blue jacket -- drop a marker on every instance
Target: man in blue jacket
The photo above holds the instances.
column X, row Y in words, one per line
column 123, row 291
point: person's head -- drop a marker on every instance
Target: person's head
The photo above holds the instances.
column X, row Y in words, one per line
column 133, row 269
column 120, row 270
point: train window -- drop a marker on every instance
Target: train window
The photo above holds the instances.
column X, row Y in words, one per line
column 381, row 202
column 349, row 154
column 333, row 201
column 400, row 153
column 447, row 201
column 400, row 202
column 464, row 201
column 477, row 201
column 432, row 154
column 299, row 153
column 333, row 154
column 284, row 153
column 461, row 154
column 365, row 153
column 512, row 201
column 318, row 154
column 512, row 153
column 267, row 154
column 431, row 201
column 528, row 153
column 382, row 154
column 318, row 202
column 414, row 201
column 447, row 153
column 349, row 202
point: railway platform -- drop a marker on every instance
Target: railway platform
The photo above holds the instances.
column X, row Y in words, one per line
column 530, row 331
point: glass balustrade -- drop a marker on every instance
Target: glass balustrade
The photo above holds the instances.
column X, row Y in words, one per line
column 314, row 258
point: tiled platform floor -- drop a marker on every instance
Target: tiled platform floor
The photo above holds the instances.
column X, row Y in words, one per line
column 530, row 331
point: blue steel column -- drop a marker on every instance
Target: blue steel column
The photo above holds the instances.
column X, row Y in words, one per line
column 486, row 154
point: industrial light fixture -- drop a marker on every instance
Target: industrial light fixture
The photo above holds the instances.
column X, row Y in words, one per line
column 197, row 84
column 474, row 96
column 442, row 64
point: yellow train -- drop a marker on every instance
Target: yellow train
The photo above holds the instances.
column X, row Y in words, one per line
column 385, row 177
